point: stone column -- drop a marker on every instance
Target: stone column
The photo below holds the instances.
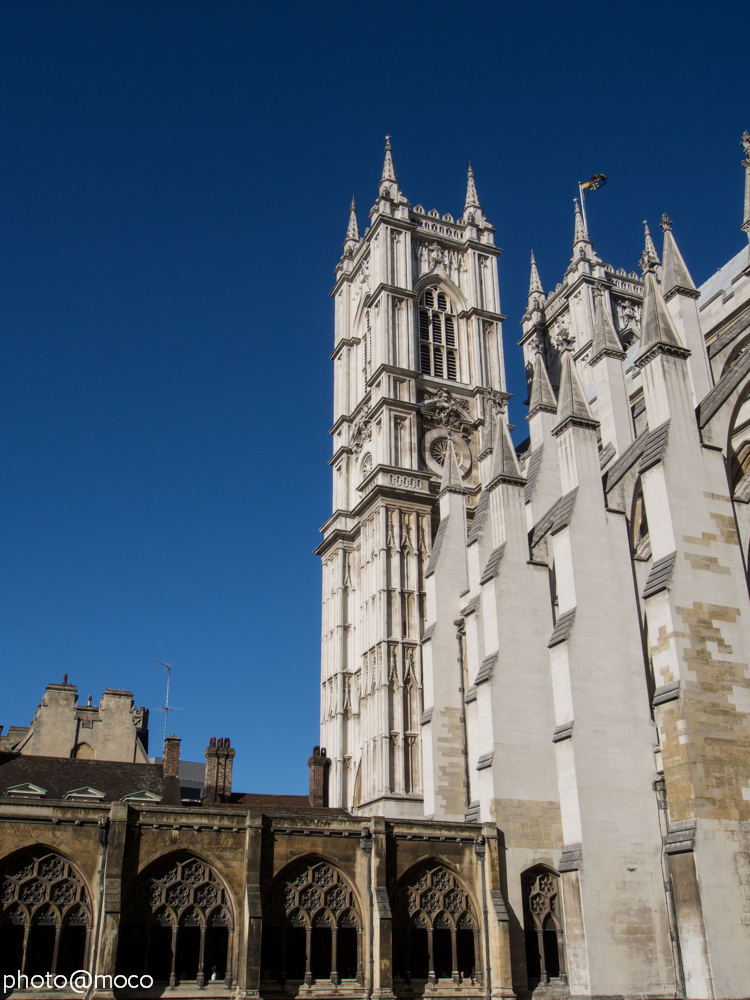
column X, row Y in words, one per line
column 498, row 923
column 109, row 908
column 250, row 929
column 383, row 929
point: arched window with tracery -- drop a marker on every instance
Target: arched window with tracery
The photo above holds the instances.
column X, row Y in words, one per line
column 438, row 335
column 312, row 927
column 542, row 920
column 45, row 920
column 177, row 924
column 436, row 927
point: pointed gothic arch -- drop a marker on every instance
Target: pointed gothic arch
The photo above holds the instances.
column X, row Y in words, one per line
column 45, row 913
column 312, row 925
column 178, row 922
column 543, row 926
column 436, row 926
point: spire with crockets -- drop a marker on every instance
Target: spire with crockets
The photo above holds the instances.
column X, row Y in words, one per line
column 472, row 198
column 745, row 143
column 649, row 258
column 536, row 291
column 352, row 232
column 580, row 233
column 389, row 186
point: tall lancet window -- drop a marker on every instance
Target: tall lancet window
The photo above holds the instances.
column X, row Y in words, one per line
column 438, row 335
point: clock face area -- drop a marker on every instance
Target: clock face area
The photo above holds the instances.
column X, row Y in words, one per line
column 435, row 449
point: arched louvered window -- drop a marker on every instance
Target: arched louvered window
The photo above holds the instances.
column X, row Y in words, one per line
column 438, row 335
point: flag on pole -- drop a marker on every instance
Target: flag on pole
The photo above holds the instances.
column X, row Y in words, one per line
column 597, row 181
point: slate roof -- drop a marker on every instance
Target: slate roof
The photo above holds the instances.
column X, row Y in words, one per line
column 556, row 518
column 712, row 402
column 479, row 515
column 437, row 544
column 654, row 448
column 59, row 775
column 722, row 280
column 731, row 333
column 660, row 575
column 562, row 628
column 626, row 462
column 532, row 471
column 492, row 563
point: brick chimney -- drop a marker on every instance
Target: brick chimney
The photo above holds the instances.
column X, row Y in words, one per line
column 171, row 764
column 319, row 766
column 219, row 763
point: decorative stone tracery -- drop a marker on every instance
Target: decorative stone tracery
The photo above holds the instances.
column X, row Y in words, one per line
column 312, row 926
column 177, row 925
column 436, row 928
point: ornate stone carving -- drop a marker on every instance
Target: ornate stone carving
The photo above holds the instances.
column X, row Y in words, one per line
column 362, row 430
column 745, row 143
column 443, row 409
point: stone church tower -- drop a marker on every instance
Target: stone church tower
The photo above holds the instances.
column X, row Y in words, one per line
column 554, row 639
column 418, row 363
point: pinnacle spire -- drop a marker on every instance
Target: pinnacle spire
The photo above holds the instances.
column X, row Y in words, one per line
column 675, row 275
column 542, row 393
column 352, row 232
column 472, row 199
column 504, row 461
column 657, row 325
column 605, row 338
column 451, row 471
column 745, row 143
column 389, row 174
column 572, row 401
column 580, row 233
column 535, row 284
column 649, row 255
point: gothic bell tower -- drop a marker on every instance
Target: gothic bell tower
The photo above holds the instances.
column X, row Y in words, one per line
column 418, row 371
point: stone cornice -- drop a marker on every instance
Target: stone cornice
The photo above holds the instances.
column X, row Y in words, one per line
column 573, row 421
column 606, row 352
column 396, row 290
column 482, row 314
column 670, row 350
column 689, row 293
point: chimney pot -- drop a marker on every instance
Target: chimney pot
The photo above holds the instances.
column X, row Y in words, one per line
column 171, row 762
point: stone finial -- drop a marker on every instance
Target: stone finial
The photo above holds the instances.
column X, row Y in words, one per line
column 649, row 259
column 666, row 223
column 580, row 233
column 535, row 284
column 745, row 143
column 472, row 199
column 352, row 232
column 389, row 174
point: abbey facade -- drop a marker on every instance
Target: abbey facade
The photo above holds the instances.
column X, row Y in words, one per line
column 552, row 640
column 534, row 770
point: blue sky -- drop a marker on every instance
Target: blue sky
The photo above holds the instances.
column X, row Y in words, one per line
column 174, row 191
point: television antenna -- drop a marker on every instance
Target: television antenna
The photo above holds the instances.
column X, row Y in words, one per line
column 165, row 708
